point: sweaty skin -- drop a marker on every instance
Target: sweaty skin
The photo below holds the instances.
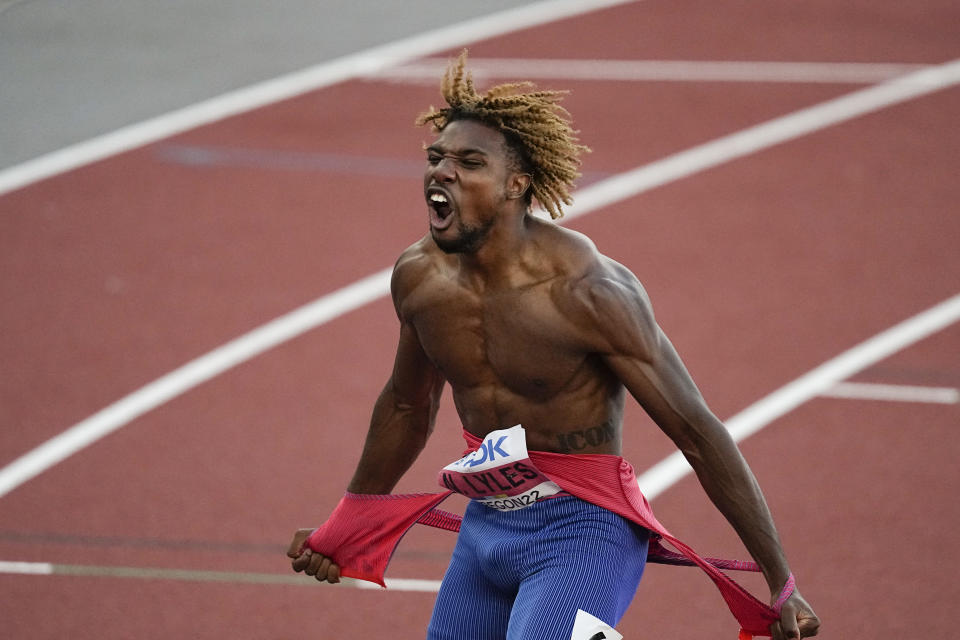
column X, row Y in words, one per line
column 531, row 325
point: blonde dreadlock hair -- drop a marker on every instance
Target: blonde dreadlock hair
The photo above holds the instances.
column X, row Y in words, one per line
column 536, row 127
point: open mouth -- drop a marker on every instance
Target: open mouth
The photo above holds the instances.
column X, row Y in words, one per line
column 441, row 210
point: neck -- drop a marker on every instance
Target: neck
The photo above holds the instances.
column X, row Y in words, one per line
column 495, row 264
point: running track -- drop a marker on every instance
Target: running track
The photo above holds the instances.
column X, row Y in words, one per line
column 760, row 269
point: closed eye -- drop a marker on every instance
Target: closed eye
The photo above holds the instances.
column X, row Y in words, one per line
column 469, row 160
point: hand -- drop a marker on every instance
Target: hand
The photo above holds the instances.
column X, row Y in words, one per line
column 310, row 562
column 797, row 620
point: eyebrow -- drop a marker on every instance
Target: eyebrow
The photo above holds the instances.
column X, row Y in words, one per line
column 458, row 152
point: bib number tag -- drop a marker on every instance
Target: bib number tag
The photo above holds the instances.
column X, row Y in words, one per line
column 499, row 473
column 588, row 627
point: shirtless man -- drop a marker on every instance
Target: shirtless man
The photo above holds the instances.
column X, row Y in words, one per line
column 530, row 325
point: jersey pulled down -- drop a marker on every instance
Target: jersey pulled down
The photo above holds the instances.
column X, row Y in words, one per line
column 364, row 530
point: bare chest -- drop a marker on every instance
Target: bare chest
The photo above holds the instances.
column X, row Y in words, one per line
column 516, row 340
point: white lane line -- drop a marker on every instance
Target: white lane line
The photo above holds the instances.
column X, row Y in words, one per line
column 765, row 135
column 671, row 469
column 428, row 70
column 653, row 482
column 893, row 393
column 403, row 584
column 26, row 568
column 201, row 575
column 596, row 196
column 190, row 375
column 293, row 84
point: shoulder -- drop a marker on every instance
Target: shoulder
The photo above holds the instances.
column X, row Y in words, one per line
column 608, row 303
column 588, row 276
column 417, row 265
column 579, row 260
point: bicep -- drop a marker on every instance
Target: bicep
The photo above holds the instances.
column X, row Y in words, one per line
column 415, row 380
column 660, row 383
column 639, row 353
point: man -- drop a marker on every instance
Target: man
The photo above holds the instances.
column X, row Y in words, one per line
column 532, row 326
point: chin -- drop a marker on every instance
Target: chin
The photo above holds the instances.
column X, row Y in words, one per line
column 466, row 241
column 448, row 245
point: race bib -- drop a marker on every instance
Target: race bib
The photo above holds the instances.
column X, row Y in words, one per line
column 588, row 627
column 499, row 473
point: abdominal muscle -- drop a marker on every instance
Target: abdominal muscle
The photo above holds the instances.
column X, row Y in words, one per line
column 575, row 423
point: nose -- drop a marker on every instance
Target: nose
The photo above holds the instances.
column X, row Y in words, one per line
column 444, row 171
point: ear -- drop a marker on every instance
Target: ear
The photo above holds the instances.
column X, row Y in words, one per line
column 518, row 185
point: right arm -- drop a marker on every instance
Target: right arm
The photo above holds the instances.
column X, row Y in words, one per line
column 403, row 418
column 404, row 413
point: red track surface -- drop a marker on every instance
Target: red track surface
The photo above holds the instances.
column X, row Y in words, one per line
column 760, row 270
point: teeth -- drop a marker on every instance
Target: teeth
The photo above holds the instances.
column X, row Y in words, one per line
column 438, row 197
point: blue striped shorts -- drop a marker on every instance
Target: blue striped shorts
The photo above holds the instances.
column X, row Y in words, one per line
column 524, row 574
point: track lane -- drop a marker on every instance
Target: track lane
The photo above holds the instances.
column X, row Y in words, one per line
column 677, row 166
column 918, row 250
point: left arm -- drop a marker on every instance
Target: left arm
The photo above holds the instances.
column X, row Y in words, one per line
column 639, row 353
